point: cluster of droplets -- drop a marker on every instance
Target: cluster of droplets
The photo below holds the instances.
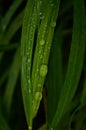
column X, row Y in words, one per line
column 51, row 3
column 41, row 15
column 42, row 42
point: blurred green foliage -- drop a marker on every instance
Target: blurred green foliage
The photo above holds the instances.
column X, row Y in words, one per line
column 63, row 105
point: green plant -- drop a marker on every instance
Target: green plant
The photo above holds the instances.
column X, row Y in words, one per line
column 52, row 66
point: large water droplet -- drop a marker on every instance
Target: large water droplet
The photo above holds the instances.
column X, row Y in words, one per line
column 41, row 56
column 42, row 42
column 29, row 90
column 52, row 4
column 53, row 24
column 28, row 60
column 43, row 70
column 29, row 81
column 40, row 1
column 38, row 96
column 30, row 128
column 3, row 27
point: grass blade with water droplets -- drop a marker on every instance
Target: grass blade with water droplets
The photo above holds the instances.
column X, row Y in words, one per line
column 28, row 32
column 42, row 51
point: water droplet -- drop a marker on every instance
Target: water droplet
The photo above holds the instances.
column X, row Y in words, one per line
column 28, row 81
column 52, row 4
column 28, row 60
column 30, row 128
column 53, row 24
column 43, row 70
column 39, row 85
column 38, row 96
column 3, row 27
column 41, row 15
column 42, row 42
column 29, row 90
column 37, row 70
column 40, row 1
column 40, row 56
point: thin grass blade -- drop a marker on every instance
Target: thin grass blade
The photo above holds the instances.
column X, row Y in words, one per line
column 75, row 63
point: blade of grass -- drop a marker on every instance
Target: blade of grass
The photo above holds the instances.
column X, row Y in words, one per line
column 55, row 74
column 8, row 47
column 65, row 7
column 13, row 28
column 42, row 51
column 75, row 62
column 3, row 77
column 11, row 83
column 3, row 123
column 6, row 19
column 43, row 127
column 28, row 32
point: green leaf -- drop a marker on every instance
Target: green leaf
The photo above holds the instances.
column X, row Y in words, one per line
column 12, row 80
column 6, row 19
column 55, row 74
column 13, row 28
column 8, row 47
column 75, row 63
column 83, row 96
column 43, row 127
column 3, row 123
column 28, row 32
column 42, row 51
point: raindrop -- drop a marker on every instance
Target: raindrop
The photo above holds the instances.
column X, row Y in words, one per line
column 43, row 70
column 53, row 24
column 41, row 15
column 30, row 128
column 42, row 42
column 40, row 56
column 37, row 69
column 28, row 81
column 40, row 1
column 28, row 60
column 39, row 85
column 52, row 4
column 38, row 96
column 3, row 27
column 29, row 90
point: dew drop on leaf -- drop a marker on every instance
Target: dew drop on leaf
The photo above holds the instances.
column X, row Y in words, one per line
column 3, row 27
column 41, row 15
column 43, row 70
column 38, row 96
column 53, row 24
column 42, row 42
